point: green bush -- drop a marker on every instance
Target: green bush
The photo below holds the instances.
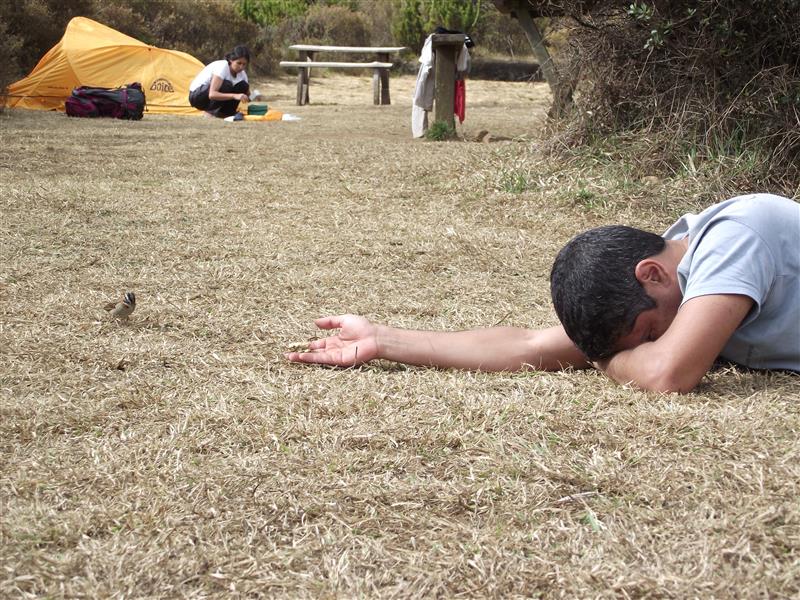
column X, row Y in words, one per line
column 408, row 27
column 207, row 29
column 493, row 32
column 440, row 131
column 498, row 34
column 713, row 74
column 10, row 46
column 379, row 16
column 39, row 24
column 335, row 26
column 452, row 14
column 127, row 18
column 271, row 12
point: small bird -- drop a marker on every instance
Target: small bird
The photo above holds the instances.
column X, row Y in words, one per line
column 121, row 310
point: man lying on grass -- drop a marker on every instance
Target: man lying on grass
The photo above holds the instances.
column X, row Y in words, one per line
column 648, row 310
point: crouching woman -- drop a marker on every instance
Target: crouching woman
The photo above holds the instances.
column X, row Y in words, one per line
column 222, row 84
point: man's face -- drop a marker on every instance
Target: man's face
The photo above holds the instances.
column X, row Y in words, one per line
column 649, row 326
column 653, row 323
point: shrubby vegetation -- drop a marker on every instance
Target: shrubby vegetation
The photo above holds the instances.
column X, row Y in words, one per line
column 271, row 13
column 10, row 47
column 327, row 25
column 204, row 28
column 417, row 18
column 704, row 80
column 710, row 80
column 208, row 28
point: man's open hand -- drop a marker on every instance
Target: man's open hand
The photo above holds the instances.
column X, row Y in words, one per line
column 356, row 343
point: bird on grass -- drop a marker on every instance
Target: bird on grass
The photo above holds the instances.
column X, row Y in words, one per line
column 122, row 309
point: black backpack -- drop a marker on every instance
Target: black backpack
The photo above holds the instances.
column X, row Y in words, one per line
column 126, row 102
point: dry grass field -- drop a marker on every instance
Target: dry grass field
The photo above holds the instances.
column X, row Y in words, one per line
column 180, row 455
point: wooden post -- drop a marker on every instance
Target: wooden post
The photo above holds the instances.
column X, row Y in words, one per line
column 384, row 57
column 445, row 49
column 303, row 76
column 562, row 96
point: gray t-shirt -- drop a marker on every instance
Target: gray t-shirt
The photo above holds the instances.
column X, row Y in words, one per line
column 749, row 245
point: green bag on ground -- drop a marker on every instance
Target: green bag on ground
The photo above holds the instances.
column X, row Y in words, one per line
column 257, row 108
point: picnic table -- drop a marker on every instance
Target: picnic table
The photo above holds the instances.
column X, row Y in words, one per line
column 380, row 67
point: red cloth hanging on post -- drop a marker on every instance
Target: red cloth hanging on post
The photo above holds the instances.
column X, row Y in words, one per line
column 460, row 100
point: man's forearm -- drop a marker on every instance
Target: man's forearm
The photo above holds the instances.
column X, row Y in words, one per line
column 646, row 368
column 494, row 349
column 679, row 359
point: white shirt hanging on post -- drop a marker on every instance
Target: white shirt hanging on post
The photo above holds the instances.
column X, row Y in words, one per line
column 423, row 91
column 425, row 86
column 463, row 61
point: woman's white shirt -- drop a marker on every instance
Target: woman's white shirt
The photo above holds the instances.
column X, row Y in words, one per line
column 221, row 69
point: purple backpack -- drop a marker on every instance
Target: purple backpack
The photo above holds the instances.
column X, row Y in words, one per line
column 126, row 102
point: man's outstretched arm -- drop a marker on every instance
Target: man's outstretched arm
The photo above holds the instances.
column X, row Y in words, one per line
column 493, row 349
column 678, row 360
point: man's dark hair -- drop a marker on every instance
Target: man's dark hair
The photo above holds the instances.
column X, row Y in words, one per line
column 594, row 287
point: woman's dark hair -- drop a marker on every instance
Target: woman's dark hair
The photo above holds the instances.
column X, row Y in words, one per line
column 594, row 287
column 238, row 52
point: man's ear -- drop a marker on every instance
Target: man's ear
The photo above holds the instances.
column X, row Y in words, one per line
column 650, row 271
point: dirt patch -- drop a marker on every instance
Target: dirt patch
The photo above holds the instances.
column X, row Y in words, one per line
column 509, row 109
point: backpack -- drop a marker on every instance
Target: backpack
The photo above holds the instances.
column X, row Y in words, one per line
column 126, row 102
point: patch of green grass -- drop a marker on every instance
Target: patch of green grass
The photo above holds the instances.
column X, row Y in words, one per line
column 586, row 197
column 590, row 518
column 514, row 182
column 440, row 131
column 740, row 155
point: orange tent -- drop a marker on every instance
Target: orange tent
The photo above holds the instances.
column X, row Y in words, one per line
column 95, row 55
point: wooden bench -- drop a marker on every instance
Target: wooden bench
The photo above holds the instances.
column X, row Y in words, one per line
column 380, row 67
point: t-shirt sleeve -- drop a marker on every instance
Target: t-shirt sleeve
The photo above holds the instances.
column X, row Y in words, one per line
column 221, row 70
column 730, row 258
